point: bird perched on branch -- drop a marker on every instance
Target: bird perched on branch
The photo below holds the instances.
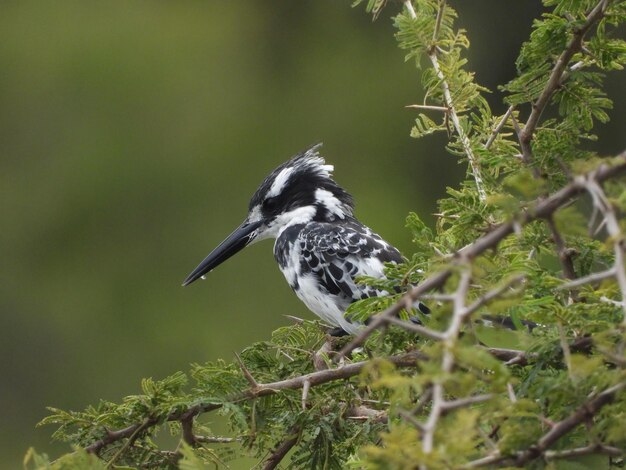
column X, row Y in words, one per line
column 321, row 248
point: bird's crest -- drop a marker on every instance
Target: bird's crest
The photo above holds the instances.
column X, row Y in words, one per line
column 298, row 180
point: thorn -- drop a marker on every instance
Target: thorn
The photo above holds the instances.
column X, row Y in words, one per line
column 411, row 419
column 296, row 320
column 425, row 106
column 511, row 391
column 599, row 227
column 305, row 393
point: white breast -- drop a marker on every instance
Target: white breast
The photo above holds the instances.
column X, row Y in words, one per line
column 329, row 308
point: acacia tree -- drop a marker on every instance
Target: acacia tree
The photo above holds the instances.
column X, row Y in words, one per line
column 534, row 235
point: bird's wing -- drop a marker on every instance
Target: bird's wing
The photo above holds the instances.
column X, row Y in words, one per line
column 337, row 254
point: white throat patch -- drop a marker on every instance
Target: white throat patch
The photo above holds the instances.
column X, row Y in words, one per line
column 299, row 215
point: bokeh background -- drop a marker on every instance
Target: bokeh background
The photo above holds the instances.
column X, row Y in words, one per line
column 132, row 135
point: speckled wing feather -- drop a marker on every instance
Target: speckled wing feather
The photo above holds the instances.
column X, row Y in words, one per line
column 337, row 254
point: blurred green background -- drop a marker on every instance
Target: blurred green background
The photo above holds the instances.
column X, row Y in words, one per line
column 132, row 135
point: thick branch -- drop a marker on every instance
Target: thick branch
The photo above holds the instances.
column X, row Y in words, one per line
column 314, row 378
column 541, row 209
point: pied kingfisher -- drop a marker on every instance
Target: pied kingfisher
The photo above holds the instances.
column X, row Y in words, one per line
column 320, row 246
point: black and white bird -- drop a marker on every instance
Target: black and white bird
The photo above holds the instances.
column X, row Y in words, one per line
column 321, row 248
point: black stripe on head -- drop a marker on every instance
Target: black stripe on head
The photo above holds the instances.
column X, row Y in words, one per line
column 294, row 183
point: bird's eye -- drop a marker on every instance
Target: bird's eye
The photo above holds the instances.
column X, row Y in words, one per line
column 270, row 204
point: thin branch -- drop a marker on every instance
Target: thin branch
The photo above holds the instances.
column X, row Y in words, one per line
column 111, row 437
column 567, row 355
column 449, row 102
column 556, row 76
column 407, row 415
column 617, row 237
column 565, row 254
column 420, row 330
column 217, row 440
column 319, row 357
column 613, row 357
column 186, row 424
column 590, row 279
column 493, row 294
column 580, row 451
column 410, row 359
column 499, row 127
column 246, row 373
column 584, row 413
column 439, row 405
column 462, row 402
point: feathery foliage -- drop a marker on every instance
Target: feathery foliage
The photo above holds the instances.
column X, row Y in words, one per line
column 534, row 235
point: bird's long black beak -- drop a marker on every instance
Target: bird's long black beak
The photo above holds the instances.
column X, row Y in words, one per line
column 235, row 242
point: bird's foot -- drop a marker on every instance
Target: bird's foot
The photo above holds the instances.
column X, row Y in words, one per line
column 321, row 359
column 336, row 338
column 337, row 332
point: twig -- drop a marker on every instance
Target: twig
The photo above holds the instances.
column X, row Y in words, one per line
column 407, row 415
column 319, row 357
column 613, row 357
column 429, row 107
column 281, row 451
column 567, row 355
column 363, row 413
column 296, row 320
